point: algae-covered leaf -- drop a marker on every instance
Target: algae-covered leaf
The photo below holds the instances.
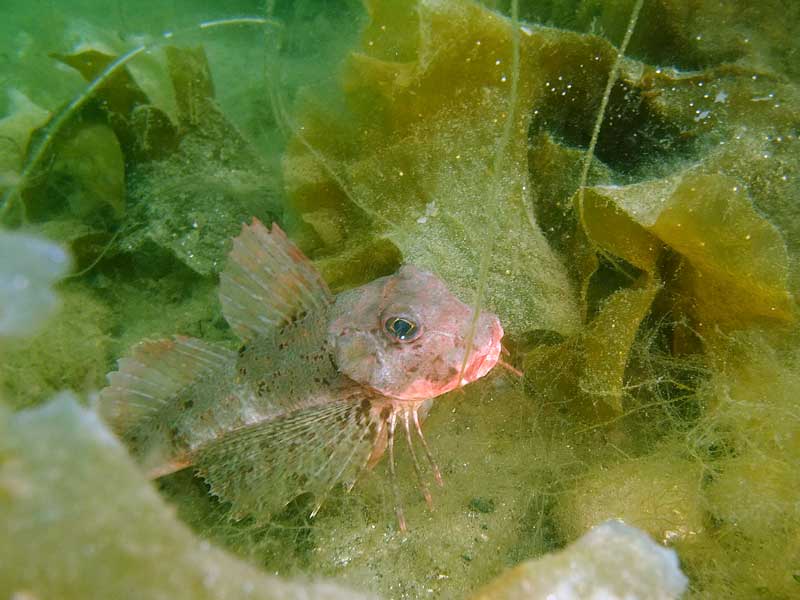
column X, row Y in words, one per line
column 445, row 225
column 736, row 264
column 607, row 341
column 80, row 521
column 195, row 198
column 591, row 365
column 426, row 97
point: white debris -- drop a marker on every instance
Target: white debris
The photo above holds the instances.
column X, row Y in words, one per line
column 613, row 561
column 28, row 267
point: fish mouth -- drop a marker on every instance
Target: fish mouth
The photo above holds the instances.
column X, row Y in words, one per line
column 484, row 360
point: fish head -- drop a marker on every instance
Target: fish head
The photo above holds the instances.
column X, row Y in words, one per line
column 406, row 336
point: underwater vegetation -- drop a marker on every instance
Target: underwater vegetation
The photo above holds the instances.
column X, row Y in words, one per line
column 648, row 288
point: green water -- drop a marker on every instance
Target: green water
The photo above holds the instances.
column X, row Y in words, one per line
column 653, row 315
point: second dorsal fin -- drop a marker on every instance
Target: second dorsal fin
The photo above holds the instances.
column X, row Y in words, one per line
column 267, row 282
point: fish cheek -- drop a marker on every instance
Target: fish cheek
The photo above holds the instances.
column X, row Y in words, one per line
column 356, row 356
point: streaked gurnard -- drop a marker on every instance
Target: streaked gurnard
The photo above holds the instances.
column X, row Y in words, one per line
column 318, row 388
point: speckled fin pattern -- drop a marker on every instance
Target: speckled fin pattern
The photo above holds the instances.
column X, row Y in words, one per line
column 260, row 468
column 153, row 374
column 267, row 282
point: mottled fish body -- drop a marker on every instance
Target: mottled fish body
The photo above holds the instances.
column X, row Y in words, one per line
column 315, row 393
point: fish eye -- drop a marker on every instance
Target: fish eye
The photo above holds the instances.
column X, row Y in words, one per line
column 402, row 329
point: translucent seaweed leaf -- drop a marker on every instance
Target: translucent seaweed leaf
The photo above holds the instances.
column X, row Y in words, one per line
column 144, row 131
column 90, row 170
column 15, row 129
column 80, row 521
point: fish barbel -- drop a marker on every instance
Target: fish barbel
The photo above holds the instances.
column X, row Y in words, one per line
column 317, row 390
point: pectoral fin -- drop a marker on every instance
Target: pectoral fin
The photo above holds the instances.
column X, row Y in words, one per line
column 261, row 467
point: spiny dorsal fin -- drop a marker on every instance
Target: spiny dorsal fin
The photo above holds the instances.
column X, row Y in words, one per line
column 260, row 468
column 153, row 373
column 267, row 282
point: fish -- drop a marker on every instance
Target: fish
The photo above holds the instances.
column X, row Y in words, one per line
column 319, row 389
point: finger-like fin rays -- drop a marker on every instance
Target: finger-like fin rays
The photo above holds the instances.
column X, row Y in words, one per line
column 510, row 368
column 437, row 474
column 408, row 414
column 417, row 471
column 398, row 506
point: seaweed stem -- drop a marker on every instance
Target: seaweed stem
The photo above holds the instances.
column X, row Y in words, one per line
column 500, row 149
column 612, row 79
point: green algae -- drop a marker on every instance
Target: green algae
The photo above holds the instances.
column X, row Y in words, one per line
column 655, row 320
column 71, row 351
